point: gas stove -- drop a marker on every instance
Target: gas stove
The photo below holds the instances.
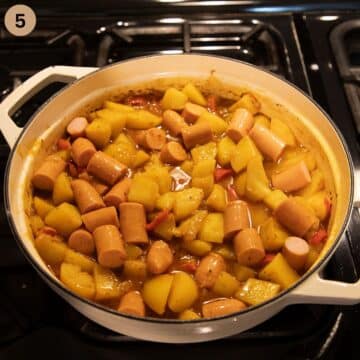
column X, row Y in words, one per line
column 318, row 52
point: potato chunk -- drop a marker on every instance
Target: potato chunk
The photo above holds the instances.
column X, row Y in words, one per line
column 108, row 286
column 186, row 202
column 273, row 235
column 204, row 152
column 194, row 94
column 173, row 99
column 217, row 198
column 62, row 191
column 51, row 248
column 242, row 273
column 212, row 229
column 115, row 119
column 86, row 263
column 142, row 120
column 188, row 315
column 80, row 282
column 244, row 151
column 225, row 150
column 99, row 133
column 225, row 284
column 280, row 129
column 197, row 247
column 42, row 206
column 217, row 124
column 189, row 228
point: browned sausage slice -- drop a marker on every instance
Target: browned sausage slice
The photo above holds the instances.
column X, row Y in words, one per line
column 118, row 193
column 86, row 197
column 295, row 251
column 240, row 124
column 197, row 134
column 294, row 178
column 209, row 269
column 105, row 216
column 192, row 112
column 109, row 246
column 106, row 168
column 173, row 153
column 81, row 151
column 248, row 247
column 236, row 218
column 268, row 143
column 221, row 307
column 155, row 139
column 159, row 257
column 77, row 126
column 133, row 222
column 295, row 216
column 82, row 241
column 174, row 122
column 132, row 303
column 44, row 177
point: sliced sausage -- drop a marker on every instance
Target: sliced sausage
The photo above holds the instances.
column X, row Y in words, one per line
column 236, row 218
column 192, row 112
column 81, row 151
column 197, row 134
column 173, row 153
column 209, row 269
column 248, row 246
column 105, row 216
column 106, row 168
column 222, row 307
column 159, row 257
column 133, row 222
column 295, row 251
column 151, row 139
column 100, row 187
column 173, row 122
column 86, row 197
column 268, row 143
column 132, row 303
column 294, row 178
column 44, row 177
column 77, row 126
column 295, row 216
column 118, row 193
column 82, row 241
column 240, row 124
column 109, row 246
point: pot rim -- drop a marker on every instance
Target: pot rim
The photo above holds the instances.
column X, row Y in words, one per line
column 154, row 320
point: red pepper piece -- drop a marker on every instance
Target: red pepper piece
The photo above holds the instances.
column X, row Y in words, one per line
column 212, row 103
column 221, row 173
column 232, row 195
column 63, row 144
column 318, row 237
column 158, row 219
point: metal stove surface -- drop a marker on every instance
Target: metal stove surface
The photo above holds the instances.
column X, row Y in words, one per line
column 33, row 320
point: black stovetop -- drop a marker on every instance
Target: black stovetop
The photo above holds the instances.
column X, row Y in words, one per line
column 36, row 322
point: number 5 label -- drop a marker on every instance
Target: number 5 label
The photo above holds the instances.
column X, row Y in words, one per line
column 20, row 20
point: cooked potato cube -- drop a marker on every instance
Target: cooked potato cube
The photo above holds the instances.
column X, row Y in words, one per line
column 161, row 176
column 247, row 101
column 257, row 183
column 186, row 202
column 257, row 291
column 173, row 99
column 118, row 107
column 144, row 190
column 133, row 251
column 280, row 129
column 64, row 154
column 259, row 214
column 142, row 120
column 116, row 120
column 122, row 152
column 194, row 94
column 244, row 151
column 274, row 198
column 212, row 229
column 226, row 251
column 183, row 293
column 204, row 152
column 51, row 248
column 65, row 219
column 217, row 124
column 99, row 133
column 273, row 235
column 206, row 183
column 36, row 223
column 135, row 269
column 42, row 206
column 188, row 315
column 204, row 168
column 141, row 158
column 197, row 247
column 86, row 263
column 62, row 191
column 262, row 120
column 240, row 184
column 189, row 228
column 166, row 229
column 225, row 149
column 321, row 204
column 279, row 272
column 156, row 292
column 217, row 198
column 187, row 166
column 225, row 284
column 80, row 282
column 108, row 286
column 166, row 201
column 242, row 273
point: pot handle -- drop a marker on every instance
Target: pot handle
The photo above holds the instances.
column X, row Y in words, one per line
column 316, row 290
column 28, row 88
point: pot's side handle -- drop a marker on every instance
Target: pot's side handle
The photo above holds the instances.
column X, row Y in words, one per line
column 28, row 88
column 316, row 290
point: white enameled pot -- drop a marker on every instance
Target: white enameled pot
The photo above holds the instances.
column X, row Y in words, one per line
column 28, row 143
